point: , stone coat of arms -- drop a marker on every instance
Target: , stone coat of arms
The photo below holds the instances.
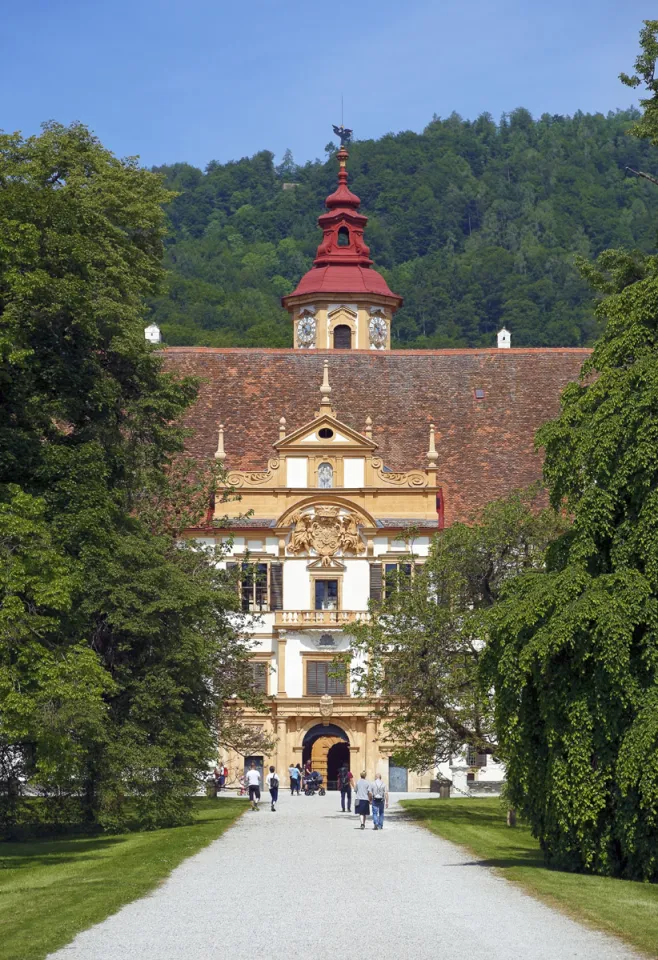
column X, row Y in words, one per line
column 326, row 530
column 326, row 706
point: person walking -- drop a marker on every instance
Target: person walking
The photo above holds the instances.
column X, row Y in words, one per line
column 379, row 795
column 253, row 783
column 345, row 781
column 217, row 778
column 272, row 782
column 362, row 799
column 299, row 778
column 293, row 773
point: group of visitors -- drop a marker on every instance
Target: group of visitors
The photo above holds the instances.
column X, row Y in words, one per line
column 295, row 774
column 252, row 779
column 366, row 792
column 220, row 773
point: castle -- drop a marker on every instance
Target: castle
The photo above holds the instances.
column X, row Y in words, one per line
column 338, row 447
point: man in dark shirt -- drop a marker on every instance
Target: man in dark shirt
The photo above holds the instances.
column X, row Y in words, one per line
column 345, row 780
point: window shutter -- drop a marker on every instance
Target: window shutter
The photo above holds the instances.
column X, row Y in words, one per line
column 314, row 679
column 259, row 671
column 375, row 581
column 276, row 586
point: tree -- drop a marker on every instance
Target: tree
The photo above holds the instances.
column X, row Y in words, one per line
column 422, row 648
column 574, row 651
column 646, row 127
column 118, row 645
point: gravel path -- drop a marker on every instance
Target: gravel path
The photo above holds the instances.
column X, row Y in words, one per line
column 305, row 882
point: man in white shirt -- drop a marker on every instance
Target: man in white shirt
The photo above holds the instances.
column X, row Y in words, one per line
column 272, row 782
column 379, row 795
column 253, row 783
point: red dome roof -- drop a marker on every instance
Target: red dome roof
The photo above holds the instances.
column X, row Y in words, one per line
column 342, row 264
column 336, row 279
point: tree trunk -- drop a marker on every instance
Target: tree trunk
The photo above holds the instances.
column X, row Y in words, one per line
column 511, row 817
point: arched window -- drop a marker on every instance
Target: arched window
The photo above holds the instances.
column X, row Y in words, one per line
column 343, row 237
column 342, row 337
column 325, row 476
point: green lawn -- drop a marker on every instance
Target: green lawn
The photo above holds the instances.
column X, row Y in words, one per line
column 629, row 910
column 52, row 889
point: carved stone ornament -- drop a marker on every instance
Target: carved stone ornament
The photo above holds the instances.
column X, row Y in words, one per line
column 413, row 478
column 254, row 479
column 325, row 530
column 378, row 331
column 306, row 330
column 326, row 706
column 325, row 641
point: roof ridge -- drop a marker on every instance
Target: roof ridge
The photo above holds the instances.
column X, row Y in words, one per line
column 377, row 355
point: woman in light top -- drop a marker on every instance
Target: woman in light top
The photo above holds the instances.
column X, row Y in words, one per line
column 362, row 799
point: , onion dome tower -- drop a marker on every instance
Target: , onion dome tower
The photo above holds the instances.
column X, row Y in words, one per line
column 342, row 303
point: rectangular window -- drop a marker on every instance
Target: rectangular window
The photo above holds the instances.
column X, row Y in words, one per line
column 354, row 472
column 323, row 676
column 326, row 594
column 474, row 758
column 297, row 471
column 254, row 587
column 396, row 577
column 260, row 670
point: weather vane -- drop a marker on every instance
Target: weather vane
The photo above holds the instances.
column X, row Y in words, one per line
column 343, row 133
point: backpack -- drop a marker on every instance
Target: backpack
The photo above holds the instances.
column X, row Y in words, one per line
column 378, row 790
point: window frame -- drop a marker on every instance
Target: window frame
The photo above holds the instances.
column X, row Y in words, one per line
column 325, row 579
column 326, row 659
column 339, row 590
column 265, row 664
column 477, row 759
column 342, row 326
column 252, row 605
column 413, row 565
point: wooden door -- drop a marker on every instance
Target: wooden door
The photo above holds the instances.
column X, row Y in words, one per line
column 319, row 751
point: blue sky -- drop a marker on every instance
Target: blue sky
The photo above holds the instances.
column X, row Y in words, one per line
column 197, row 81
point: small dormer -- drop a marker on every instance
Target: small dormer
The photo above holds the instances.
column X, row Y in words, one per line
column 504, row 339
column 152, row 333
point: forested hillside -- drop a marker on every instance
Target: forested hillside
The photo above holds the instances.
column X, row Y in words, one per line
column 475, row 224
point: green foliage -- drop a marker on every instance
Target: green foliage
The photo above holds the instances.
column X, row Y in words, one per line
column 645, row 73
column 476, row 224
column 574, row 654
column 116, row 647
column 425, row 640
